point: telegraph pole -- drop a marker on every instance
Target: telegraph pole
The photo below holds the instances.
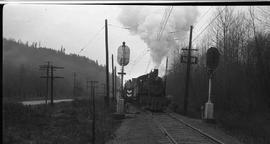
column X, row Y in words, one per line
column 87, row 86
column 74, row 84
column 107, row 64
column 104, row 88
column 47, row 82
column 188, row 71
column 93, row 104
column 52, row 78
column 115, row 83
column 174, row 62
column 51, row 85
column 113, row 96
column 165, row 85
column 92, row 95
column 47, row 79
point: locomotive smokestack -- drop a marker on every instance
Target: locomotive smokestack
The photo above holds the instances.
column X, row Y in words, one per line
column 155, row 72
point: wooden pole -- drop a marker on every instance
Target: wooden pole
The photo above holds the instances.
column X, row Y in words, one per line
column 94, row 118
column 107, row 64
column 165, row 85
column 47, row 82
column 94, row 115
column 112, row 79
column 51, row 76
column 188, row 73
column 74, row 84
column 51, row 85
column 115, row 83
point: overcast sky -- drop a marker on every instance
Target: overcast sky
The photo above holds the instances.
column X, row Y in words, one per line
column 78, row 27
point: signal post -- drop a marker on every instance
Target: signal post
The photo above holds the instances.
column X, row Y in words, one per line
column 212, row 59
column 123, row 54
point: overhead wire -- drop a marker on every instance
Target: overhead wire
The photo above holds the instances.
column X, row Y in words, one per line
column 170, row 11
column 206, row 12
column 211, row 22
column 162, row 21
column 165, row 23
column 92, row 39
column 119, row 26
column 139, row 57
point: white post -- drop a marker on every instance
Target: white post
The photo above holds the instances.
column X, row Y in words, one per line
column 209, row 106
column 209, row 91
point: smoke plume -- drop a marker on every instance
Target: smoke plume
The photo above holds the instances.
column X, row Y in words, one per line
column 146, row 22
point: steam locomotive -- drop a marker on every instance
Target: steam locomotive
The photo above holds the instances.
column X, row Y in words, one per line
column 147, row 90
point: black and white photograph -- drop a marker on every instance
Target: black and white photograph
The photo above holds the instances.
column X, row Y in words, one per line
column 125, row 73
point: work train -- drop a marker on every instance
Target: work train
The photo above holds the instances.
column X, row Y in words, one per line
column 147, row 90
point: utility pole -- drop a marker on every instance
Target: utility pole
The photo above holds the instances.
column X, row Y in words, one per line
column 174, row 62
column 113, row 96
column 92, row 95
column 51, row 85
column 74, row 85
column 107, row 64
column 87, row 86
column 93, row 104
column 165, row 84
column 47, row 79
column 104, row 88
column 115, row 83
column 47, row 82
column 188, row 70
column 52, row 78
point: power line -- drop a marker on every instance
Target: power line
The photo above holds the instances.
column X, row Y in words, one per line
column 203, row 16
column 139, row 56
column 162, row 21
column 134, row 63
column 119, row 26
column 92, row 39
column 165, row 23
column 208, row 25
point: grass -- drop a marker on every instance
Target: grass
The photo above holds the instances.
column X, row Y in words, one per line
column 251, row 129
column 67, row 122
column 254, row 129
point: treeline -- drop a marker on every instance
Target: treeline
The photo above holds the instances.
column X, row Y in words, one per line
column 241, row 83
column 21, row 73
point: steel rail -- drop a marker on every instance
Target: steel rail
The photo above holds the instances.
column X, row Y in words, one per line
column 161, row 128
column 167, row 134
column 195, row 129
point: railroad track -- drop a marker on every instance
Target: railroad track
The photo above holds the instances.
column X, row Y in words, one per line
column 179, row 132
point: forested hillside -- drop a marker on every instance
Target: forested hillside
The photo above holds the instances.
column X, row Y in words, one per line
column 21, row 73
column 241, row 83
